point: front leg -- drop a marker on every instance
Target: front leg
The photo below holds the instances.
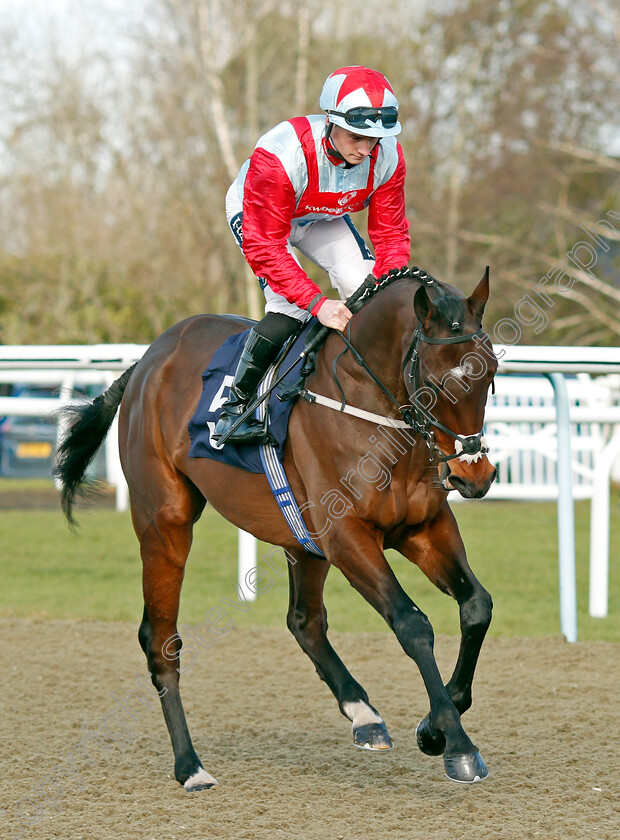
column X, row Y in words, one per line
column 354, row 548
column 307, row 621
column 437, row 548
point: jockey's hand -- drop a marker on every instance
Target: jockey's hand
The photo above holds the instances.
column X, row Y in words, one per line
column 334, row 314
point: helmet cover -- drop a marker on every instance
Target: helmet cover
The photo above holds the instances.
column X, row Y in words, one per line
column 362, row 101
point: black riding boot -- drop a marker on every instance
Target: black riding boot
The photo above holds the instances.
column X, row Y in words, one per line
column 259, row 352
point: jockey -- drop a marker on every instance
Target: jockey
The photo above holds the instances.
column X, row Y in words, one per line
column 297, row 189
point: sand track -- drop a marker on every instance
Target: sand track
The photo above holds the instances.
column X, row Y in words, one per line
column 546, row 718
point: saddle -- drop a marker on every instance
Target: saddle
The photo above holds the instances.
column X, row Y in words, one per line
column 275, row 411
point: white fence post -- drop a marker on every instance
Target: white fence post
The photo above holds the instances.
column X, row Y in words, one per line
column 599, row 530
column 566, row 512
column 247, row 561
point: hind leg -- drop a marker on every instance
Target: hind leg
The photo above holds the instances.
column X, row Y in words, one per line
column 439, row 552
column 307, row 621
column 165, row 534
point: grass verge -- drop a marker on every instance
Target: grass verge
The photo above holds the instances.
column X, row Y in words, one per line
column 49, row 572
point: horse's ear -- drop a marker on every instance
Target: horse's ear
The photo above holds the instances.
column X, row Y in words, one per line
column 478, row 298
column 423, row 306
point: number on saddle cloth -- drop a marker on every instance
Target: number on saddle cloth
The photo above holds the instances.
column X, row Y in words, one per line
column 217, row 379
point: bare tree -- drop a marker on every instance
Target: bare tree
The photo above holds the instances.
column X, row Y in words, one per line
column 115, row 158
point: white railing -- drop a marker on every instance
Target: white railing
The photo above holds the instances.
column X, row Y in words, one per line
column 521, row 430
column 554, row 362
column 106, row 357
column 522, row 427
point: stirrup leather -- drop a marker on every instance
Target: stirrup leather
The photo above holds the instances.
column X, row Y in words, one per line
column 259, row 352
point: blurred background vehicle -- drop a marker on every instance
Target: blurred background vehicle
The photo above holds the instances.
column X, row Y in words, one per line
column 28, row 444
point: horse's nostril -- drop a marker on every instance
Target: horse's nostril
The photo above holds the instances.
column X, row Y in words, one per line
column 469, row 489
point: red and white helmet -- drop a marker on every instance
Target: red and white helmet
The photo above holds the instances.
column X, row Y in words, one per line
column 362, row 101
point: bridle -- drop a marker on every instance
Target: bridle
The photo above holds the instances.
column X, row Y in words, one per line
column 467, row 447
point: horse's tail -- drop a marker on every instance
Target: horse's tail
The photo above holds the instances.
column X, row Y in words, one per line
column 88, row 424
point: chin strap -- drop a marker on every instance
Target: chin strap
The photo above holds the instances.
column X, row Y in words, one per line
column 330, row 150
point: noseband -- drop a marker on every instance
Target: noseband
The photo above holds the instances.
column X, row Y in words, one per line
column 467, row 447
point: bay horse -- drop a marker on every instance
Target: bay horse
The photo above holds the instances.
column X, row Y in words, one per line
column 417, row 343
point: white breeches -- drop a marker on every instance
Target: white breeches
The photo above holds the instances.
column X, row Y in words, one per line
column 334, row 245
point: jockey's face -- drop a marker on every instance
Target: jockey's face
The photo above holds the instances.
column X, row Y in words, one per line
column 353, row 147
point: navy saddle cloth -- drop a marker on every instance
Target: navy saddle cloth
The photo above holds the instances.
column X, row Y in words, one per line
column 216, row 382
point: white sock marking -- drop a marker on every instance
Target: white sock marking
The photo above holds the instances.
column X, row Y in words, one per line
column 360, row 713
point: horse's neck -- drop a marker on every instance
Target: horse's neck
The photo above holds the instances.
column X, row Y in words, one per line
column 377, row 334
column 382, row 325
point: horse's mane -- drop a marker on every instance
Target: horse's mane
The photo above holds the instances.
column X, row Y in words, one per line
column 447, row 299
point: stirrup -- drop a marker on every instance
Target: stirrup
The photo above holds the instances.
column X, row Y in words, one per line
column 249, row 431
column 256, row 437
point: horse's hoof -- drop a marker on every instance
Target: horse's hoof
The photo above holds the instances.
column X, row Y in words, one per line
column 465, row 768
column 372, row 736
column 429, row 740
column 200, row 780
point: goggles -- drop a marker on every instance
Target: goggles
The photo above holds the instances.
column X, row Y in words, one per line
column 368, row 117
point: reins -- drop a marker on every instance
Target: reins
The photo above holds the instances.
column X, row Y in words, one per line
column 467, row 447
column 404, row 410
